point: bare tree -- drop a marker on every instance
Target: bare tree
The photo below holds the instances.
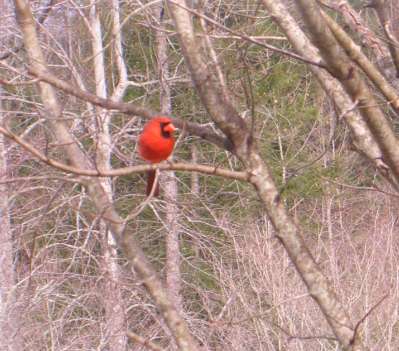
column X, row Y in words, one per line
column 278, row 242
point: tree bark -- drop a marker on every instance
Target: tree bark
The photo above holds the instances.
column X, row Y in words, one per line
column 10, row 326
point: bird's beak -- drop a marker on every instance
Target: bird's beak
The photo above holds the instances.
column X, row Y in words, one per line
column 169, row 128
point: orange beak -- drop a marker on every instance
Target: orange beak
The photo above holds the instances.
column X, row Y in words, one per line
column 169, row 128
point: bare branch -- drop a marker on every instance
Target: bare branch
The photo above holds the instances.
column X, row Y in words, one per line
column 211, row 170
column 363, row 138
column 143, row 341
column 367, row 314
column 356, row 23
column 249, row 38
column 193, row 128
column 356, row 54
column 341, row 67
column 41, row 19
column 382, row 8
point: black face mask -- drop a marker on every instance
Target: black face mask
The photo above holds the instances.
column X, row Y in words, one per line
column 166, row 134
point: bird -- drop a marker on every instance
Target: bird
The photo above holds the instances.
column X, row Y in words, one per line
column 155, row 144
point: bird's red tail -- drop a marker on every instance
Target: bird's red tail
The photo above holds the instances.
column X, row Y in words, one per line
column 150, row 183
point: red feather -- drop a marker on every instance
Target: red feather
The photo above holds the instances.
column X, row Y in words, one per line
column 156, row 143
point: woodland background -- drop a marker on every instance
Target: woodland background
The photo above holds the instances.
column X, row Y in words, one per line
column 277, row 224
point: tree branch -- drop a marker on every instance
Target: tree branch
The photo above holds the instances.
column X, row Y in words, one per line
column 249, row 38
column 357, row 55
column 143, row 341
column 117, row 172
column 127, row 108
column 382, row 7
column 343, row 69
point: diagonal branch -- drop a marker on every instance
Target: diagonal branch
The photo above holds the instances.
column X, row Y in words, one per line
column 357, row 55
column 362, row 137
column 341, row 67
column 250, row 38
column 387, row 20
column 356, row 23
column 127, row 108
column 143, row 341
column 42, row 17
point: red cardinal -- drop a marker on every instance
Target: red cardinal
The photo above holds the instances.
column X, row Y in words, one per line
column 156, row 143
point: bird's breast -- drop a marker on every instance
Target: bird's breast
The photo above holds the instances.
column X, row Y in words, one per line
column 155, row 148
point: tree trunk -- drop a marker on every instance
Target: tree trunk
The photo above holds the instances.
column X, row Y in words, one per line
column 173, row 277
column 10, row 328
column 115, row 328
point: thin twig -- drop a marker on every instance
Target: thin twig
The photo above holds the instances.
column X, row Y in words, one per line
column 143, row 341
column 249, row 38
column 355, row 332
column 132, row 109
